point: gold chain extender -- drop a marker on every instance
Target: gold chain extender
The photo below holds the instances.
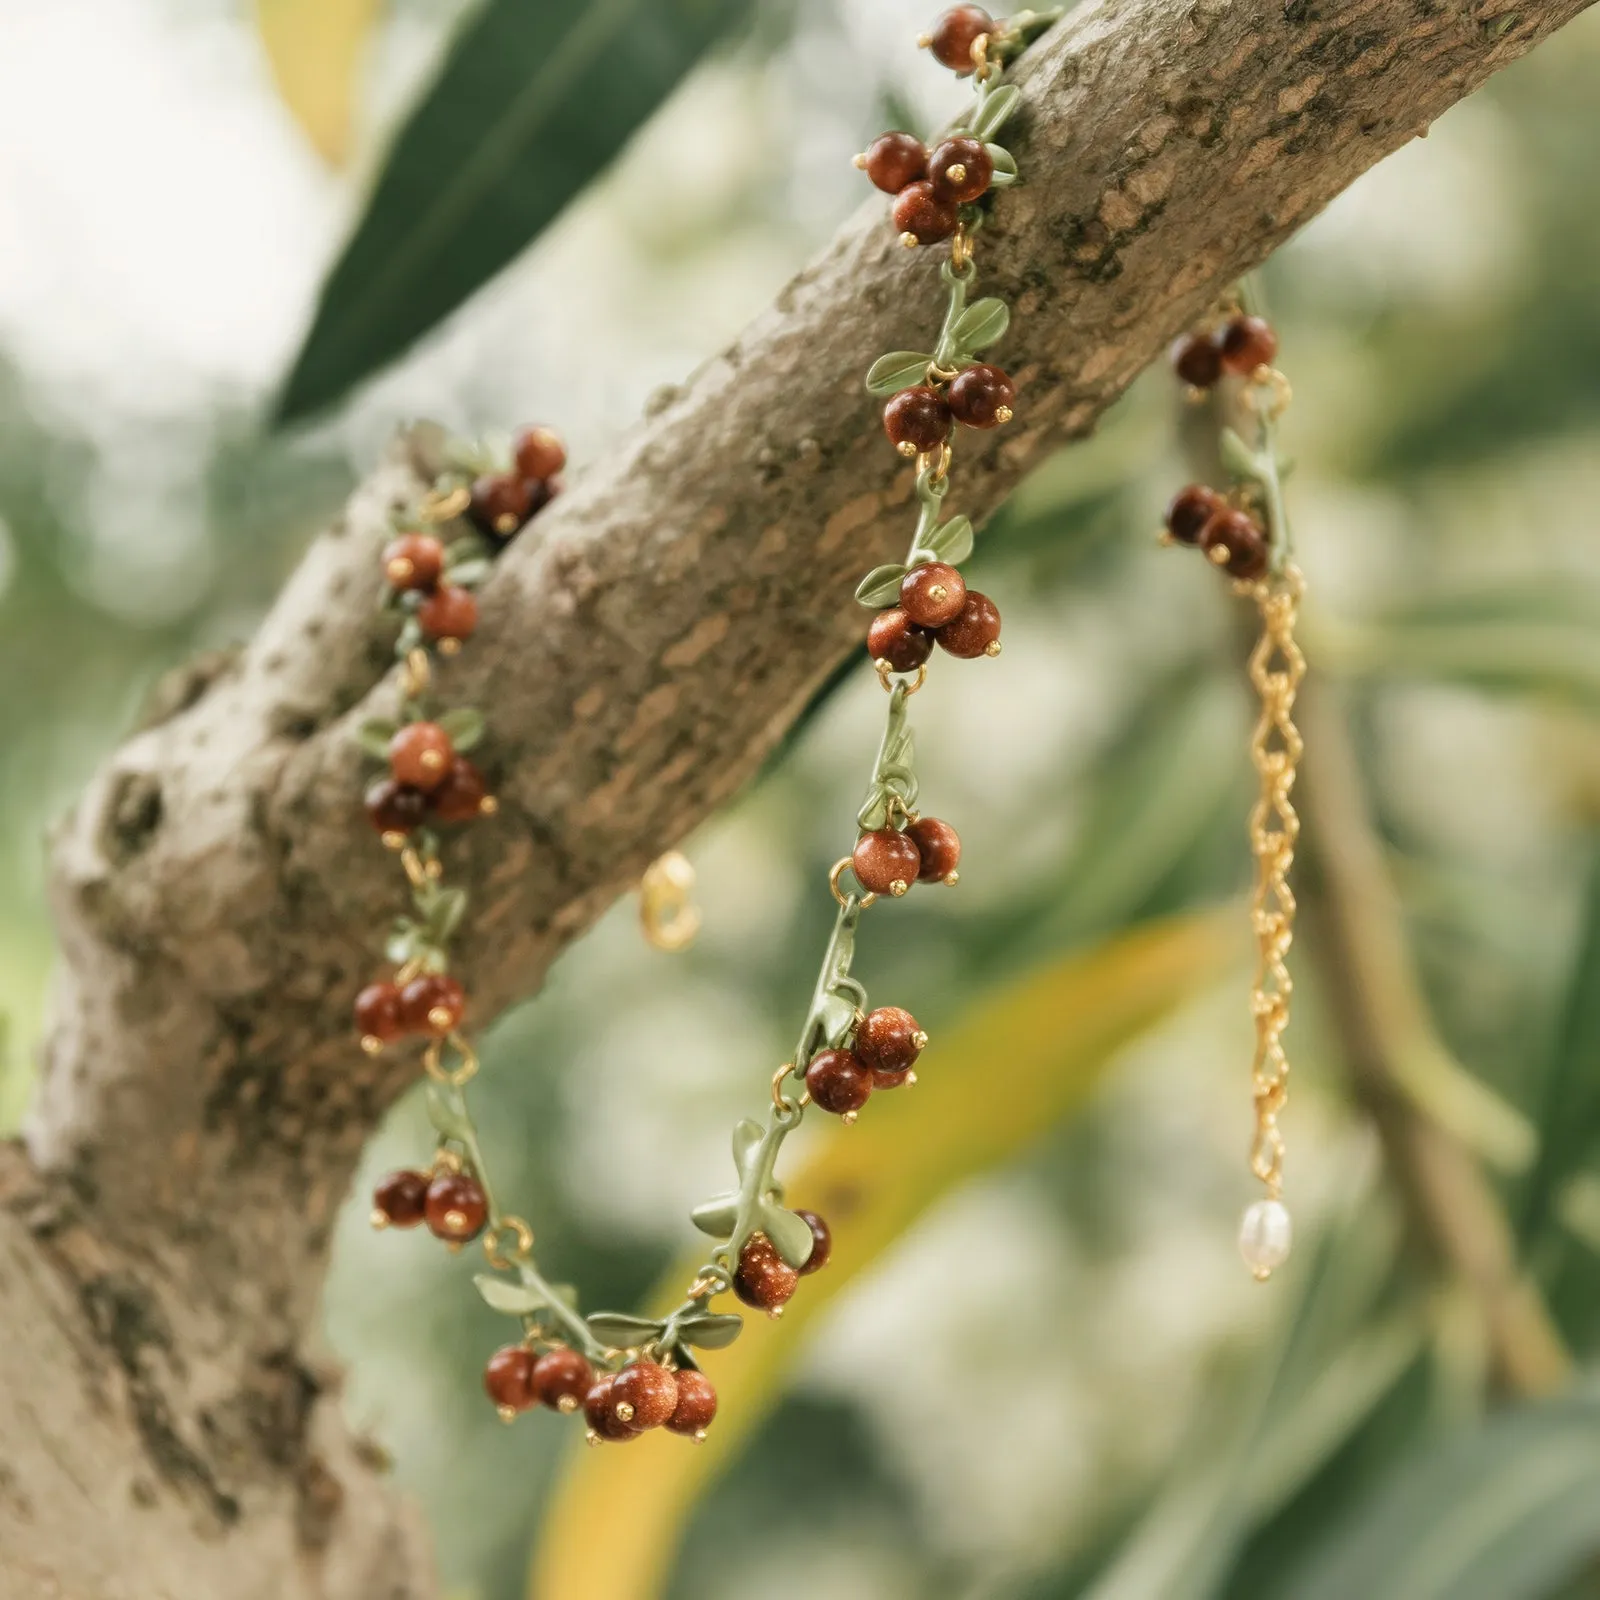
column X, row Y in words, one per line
column 1277, row 666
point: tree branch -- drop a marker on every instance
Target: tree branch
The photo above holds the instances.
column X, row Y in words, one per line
column 200, row 1108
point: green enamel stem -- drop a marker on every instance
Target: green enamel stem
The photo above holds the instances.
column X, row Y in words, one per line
column 559, row 1313
column 1280, row 541
column 944, row 352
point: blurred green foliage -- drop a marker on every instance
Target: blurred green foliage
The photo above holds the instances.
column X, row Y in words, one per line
column 1144, row 1424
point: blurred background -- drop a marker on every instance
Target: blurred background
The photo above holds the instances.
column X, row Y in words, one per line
column 1045, row 1372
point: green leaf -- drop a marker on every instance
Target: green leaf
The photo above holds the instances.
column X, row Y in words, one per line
column 465, row 726
column 747, row 1136
column 515, row 1299
column 618, row 1329
column 445, row 1115
column 1005, row 166
column 951, row 541
column 374, row 735
column 710, row 1330
column 996, row 111
column 1505, row 1513
column 791, row 1236
column 401, row 944
column 900, row 369
column 983, row 323
column 531, row 104
column 881, row 586
column 717, row 1215
column 1238, row 457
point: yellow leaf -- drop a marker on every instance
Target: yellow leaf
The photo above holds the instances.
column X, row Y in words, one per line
column 1019, row 1062
column 315, row 48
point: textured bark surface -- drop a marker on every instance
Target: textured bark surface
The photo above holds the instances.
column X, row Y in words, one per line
column 163, row 1236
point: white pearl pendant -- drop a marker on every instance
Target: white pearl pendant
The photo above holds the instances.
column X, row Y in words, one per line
column 1265, row 1234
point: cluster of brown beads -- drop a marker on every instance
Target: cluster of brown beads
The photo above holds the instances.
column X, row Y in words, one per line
column 765, row 1280
column 889, row 860
column 919, row 419
column 1227, row 534
column 503, row 501
column 881, row 1055
column 432, row 1003
column 450, row 1201
column 428, row 780
column 645, row 1394
column 936, row 607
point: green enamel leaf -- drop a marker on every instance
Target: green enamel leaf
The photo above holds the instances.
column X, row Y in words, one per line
column 997, row 108
column 621, row 1331
column 717, row 1215
column 711, row 1330
column 1005, row 166
column 836, row 1015
column 514, row 1299
column 747, row 1135
column 898, row 370
column 445, row 915
column 881, row 586
column 983, row 323
column 1237, row 456
column 469, row 574
column 951, row 541
column 790, row 1235
column 446, row 1117
column 374, row 735
column 464, row 725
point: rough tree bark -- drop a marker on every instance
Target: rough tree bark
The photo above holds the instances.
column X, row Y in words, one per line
column 163, row 1230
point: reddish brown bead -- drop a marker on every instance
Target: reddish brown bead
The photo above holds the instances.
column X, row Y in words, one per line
column 649, row 1391
column 508, row 1378
column 1190, row 510
column 961, row 170
column 539, row 454
column 413, row 561
column 456, row 1207
column 954, row 35
column 764, row 1279
column 976, row 632
column 460, row 797
column 1246, row 343
column 1232, row 541
column 917, row 420
column 432, row 1003
column 500, row 503
column 885, row 861
column 450, row 612
column 400, row 1200
column 838, row 1082
column 561, row 1378
column 821, row 1243
column 888, row 1042
column 894, row 160
column 932, row 594
column 420, row 755
column 377, row 1012
column 981, row 396
column 924, row 215
column 893, row 637
column 600, row 1415
column 697, row 1404
column 1196, row 360
column 940, row 847
column 394, row 808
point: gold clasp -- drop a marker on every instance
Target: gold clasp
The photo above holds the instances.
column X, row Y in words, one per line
column 669, row 919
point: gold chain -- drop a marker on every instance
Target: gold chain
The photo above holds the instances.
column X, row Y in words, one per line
column 1277, row 666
